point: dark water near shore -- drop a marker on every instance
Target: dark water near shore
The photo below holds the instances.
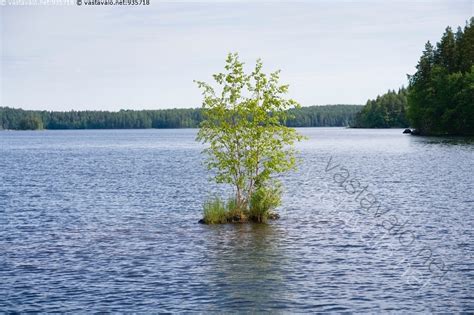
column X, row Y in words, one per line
column 106, row 221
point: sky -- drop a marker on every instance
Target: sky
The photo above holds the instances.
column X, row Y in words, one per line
column 70, row 57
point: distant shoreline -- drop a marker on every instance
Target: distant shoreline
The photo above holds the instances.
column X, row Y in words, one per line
column 19, row 119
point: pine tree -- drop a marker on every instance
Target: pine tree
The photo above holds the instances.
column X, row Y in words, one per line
column 441, row 92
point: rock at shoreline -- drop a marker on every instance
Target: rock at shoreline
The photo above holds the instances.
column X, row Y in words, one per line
column 273, row 216
column 408, row 130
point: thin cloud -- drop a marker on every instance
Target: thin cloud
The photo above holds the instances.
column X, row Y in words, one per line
column 147, row 57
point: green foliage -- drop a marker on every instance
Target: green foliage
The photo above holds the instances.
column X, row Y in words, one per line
column 244, row 128
column 386, row 111
column 312, row 116
column 441, row 92
column 215, row 211
column 125, row 119
column 31, row 122
column 323, row 116
column 262, row 201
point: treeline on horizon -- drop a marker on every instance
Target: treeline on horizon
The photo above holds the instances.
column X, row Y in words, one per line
column 19, row 119
column 439, row 100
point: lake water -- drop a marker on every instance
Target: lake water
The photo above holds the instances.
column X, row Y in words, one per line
column 107, row 221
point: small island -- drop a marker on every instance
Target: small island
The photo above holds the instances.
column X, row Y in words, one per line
column 248, row 143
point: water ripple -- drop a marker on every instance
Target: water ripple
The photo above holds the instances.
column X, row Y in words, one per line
column 105, row 221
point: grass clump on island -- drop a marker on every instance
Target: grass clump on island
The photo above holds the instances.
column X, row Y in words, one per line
column 262, row 208
column 247, row 141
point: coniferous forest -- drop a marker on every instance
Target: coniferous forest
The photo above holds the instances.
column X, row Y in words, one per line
column 441, row 92
column 386, row 111
column 18, row 119
column 440, row 96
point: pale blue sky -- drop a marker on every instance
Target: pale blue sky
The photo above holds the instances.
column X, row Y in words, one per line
column 109, row 58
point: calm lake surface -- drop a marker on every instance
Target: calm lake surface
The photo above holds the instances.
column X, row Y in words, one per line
column 107, row 221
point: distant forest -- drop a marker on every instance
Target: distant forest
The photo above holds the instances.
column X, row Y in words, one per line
column 18, row 119
column 386, row 111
